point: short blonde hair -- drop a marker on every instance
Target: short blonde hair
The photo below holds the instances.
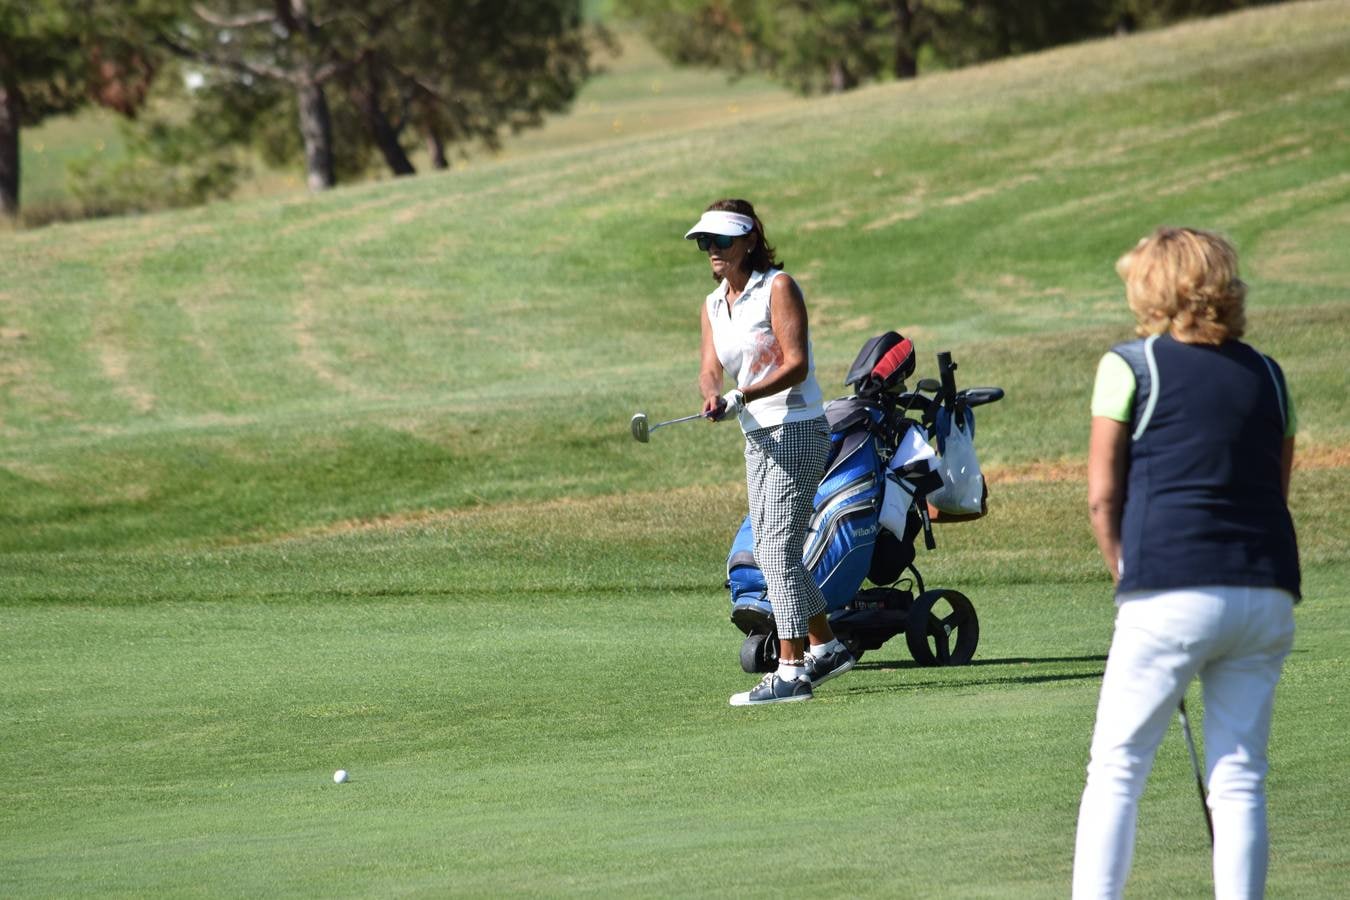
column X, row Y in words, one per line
column 1185, row 281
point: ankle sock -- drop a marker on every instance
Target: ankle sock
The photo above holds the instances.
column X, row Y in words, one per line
column 822, row 649
column 791, row 672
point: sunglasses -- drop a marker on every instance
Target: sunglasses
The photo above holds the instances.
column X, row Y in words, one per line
column 704, row 241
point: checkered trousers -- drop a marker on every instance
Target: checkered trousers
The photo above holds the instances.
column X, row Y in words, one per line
column 783, row 468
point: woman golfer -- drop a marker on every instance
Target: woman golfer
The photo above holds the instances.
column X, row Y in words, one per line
column 754, row 329
column 1190, row 452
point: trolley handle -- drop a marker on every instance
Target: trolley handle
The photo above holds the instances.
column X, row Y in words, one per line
column 979, row 396
column 947, row 376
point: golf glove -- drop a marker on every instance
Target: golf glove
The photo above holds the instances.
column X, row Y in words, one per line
column 732, row 404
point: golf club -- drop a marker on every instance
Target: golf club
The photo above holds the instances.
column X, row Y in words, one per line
column 642, row 431
column 1195, row 764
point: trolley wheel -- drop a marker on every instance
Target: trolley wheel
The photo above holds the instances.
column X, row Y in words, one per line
column 942, row 629
column 759, row 653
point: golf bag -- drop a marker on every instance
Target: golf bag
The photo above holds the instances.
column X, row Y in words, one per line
column 841, row 540
column 878, row 446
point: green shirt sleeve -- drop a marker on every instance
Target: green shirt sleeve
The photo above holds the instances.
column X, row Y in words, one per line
column 1113, row 393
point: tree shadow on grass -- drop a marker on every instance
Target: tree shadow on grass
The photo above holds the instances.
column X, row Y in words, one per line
column 1032, row 660
column 1017, row 675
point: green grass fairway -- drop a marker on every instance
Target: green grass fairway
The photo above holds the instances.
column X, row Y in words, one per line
column 292, row 485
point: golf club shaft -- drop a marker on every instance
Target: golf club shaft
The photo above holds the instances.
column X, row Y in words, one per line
column 1195, row 765
column 676, row 421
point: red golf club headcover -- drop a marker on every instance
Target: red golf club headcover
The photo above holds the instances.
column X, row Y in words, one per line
column 899, row 358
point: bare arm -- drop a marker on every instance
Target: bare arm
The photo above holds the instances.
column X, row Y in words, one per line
column 787, row 312
column 1286, row 466
column 710, row 373
column 1107, row 455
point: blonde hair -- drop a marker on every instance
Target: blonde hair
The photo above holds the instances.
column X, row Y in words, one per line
column 1185, row 281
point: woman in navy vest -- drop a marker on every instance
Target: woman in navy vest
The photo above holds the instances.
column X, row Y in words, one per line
column 1191, row 447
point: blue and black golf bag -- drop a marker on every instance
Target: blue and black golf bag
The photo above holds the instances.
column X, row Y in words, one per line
column 847, row 545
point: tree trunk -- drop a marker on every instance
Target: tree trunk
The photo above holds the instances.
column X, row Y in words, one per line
column 841, row 79
column 1003, row 41
column 906, row 53
column 316, row 129
column 384, row 135
column 436, row 147
column 9, row 153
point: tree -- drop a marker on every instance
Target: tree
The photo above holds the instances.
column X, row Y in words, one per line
column 835, row 45
column 451, row 71
column 465, row 71
column 991, row 29
column 1156, row 13
column 59, row 55
column 811, row 45
column 287, row 42
column 183, row 149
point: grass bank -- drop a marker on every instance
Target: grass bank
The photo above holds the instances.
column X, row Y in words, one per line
column 295, row 484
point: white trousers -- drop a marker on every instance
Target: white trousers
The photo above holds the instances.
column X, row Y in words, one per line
column 1235, row 639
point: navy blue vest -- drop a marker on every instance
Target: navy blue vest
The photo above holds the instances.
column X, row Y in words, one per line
column 1203, row 504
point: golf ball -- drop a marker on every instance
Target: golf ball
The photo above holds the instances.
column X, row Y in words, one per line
column 339, row 776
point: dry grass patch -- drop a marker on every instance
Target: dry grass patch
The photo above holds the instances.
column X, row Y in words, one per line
column 1312, row 457
column 672, row 514
column 608, row 516
column 1322, row 456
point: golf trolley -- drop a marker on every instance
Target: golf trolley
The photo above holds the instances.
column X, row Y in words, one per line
column 879, row 456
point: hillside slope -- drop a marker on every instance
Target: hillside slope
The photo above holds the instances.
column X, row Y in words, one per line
column 250, row 369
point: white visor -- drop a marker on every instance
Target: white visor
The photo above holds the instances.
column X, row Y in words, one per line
column 716, row 221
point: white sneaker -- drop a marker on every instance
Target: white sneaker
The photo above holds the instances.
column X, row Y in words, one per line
column 772, row 689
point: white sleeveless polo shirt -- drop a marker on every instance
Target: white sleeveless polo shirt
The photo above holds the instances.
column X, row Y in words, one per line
column 749, row 352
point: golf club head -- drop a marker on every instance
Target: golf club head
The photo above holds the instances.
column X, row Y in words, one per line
column 639, row 428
